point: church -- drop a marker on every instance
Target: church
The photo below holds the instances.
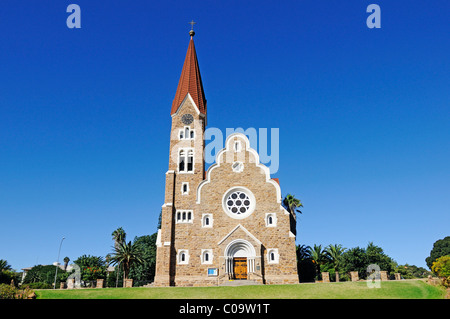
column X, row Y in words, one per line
column 225, row 223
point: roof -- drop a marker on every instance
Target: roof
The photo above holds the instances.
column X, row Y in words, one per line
column 190, row 81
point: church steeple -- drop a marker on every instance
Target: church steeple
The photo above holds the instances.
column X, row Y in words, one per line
column 190, row 80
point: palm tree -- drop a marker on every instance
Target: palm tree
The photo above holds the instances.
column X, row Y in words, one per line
column 119, row 236
column 303, row 252
column 291, row 204
column 334, row 252
column 4, row 265
column 318, row 257
column 126, row 255
column 66, row 262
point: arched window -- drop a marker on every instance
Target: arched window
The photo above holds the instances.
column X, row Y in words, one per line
column 207, row 220
column 185, row 188
column 186, row 160
column 272, row 256
column 271, row 220
column 190, row 161
column 181, row 161
column 183, row 257
column 206, row 256
column 192, row 134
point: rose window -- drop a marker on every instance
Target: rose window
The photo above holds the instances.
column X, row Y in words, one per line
column 238, row 202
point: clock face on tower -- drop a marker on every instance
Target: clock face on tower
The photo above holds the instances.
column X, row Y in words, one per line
column 187, row 119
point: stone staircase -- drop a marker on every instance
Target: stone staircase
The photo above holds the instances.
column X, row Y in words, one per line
column 236, row 283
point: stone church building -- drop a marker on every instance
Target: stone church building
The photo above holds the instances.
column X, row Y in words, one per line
column 226, row 223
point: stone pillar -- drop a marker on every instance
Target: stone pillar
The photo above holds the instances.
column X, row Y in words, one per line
column 354, row 275
column 71, row 283
column 100, row 283
column 325, row 277
column 337, row 276
column 62, row 285
column 383, row 275
column 128, row 283
column 397, row 276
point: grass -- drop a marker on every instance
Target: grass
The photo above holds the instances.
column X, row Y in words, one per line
column 405, row 289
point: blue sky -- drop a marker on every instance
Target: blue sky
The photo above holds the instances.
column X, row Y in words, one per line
column 363, row 114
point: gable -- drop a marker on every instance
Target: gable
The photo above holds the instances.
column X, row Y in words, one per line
column 247, row 156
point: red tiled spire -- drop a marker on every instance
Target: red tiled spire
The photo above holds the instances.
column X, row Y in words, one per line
column 190, row 81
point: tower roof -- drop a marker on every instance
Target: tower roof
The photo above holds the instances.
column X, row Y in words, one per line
column 190, row 81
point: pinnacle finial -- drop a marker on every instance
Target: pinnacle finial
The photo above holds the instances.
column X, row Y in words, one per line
column 191, row 32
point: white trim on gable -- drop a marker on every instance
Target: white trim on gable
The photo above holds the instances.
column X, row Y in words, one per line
column 188, row 96
column 236, row 228
column 229, row 147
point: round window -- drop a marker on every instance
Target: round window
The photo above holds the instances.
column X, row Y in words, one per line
column 239, row 203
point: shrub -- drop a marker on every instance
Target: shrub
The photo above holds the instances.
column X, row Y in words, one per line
column 441, row 267
column 11, row 292
column 40, row 285
column 7, row 291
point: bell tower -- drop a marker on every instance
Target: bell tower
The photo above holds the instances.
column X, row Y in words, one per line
column 186, row 166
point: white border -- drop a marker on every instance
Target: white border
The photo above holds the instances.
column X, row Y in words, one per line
column 219, row 158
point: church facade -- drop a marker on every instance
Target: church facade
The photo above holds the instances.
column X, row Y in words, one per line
column 226, row 223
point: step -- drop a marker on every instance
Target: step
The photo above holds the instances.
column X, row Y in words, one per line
column 235, row 283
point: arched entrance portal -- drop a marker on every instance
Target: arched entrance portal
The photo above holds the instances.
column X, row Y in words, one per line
column 239, row 259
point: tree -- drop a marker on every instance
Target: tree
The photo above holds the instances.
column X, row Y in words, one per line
column 441, row 267
column 410, row 271
column 127, row 255
column 119, row 236
column 376, row 255
column 291, row 204
column 45, row 275
column 318, row 257
column 145, row 272
column 303, row 252
column 334, row 253
column 66, row 262
column 440, row 248
column 4, row 265
column 354, row 259
column 305, row 267
column 91, row 267
column 159, row 220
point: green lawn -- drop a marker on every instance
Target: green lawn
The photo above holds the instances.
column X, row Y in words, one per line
column 405, row 289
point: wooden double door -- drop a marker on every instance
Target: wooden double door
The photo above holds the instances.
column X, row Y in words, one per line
column 240, row 268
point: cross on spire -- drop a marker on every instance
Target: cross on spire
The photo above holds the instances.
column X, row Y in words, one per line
column 192, row 24
column 192, row 33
